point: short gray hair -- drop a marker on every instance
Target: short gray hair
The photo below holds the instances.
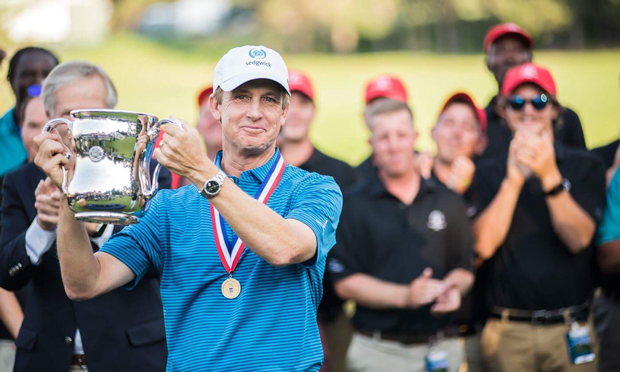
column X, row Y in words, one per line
column 68, row 73
column 387, row 106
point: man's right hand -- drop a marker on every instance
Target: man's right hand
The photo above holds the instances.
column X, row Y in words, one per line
column 424, row 290
column 516, row 172
column 47, row 204
column 51, row 157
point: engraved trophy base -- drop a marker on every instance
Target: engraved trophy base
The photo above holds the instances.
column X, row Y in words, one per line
column 107, row 217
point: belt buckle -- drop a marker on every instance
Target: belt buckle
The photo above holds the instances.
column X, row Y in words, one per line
column 539, row 317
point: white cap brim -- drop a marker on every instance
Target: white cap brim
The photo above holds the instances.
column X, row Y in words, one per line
column 241, row 79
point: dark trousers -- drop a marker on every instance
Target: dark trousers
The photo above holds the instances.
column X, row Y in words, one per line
column 607, row 323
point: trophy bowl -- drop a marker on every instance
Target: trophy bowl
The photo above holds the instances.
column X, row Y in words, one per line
column 110, row 152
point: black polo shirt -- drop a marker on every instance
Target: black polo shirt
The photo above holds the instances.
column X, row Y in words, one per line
column 569, row 133
column 343, row 173
column 331, row 305
column 533, row 269
column 366, row 169
column 380, row 236
column 607, row 153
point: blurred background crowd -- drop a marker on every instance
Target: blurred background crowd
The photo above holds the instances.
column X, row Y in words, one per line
column 456, row 70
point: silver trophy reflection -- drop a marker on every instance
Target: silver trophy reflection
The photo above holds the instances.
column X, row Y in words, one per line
column 110, row 152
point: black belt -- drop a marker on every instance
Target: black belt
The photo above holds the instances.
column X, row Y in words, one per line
column 409, row 338
column 578, row 313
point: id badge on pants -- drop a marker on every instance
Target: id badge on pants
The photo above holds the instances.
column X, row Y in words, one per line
column 579, row 344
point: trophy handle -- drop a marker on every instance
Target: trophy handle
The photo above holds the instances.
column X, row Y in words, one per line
column 48, row 128
column 153, row 134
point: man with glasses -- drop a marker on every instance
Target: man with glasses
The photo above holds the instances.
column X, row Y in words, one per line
column 539, row 205
column 505, row 46
column 59, row 334
column 28, row 66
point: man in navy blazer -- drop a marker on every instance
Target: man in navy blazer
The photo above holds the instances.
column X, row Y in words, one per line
column 120, row 331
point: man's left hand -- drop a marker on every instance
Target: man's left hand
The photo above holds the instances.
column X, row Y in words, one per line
column 448, row 302
column 181, row 151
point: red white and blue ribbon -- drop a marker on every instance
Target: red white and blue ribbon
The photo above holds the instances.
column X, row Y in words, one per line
column 230, row 252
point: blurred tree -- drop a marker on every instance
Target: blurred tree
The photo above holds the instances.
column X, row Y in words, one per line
column 442, row 25
column 128, row 13
column 345, row 20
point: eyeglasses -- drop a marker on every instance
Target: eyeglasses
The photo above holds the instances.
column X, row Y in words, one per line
column 518, row 102
column 34, row 90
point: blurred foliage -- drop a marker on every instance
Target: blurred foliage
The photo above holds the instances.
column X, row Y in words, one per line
column 164, row 79
column 443, row 25
column 128, row 13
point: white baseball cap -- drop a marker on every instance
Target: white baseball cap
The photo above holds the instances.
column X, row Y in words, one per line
column 249, row 62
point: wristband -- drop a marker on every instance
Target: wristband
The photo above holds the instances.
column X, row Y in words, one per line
column 564, row 185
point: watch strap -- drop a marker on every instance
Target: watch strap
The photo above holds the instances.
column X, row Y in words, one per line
column 563, row 185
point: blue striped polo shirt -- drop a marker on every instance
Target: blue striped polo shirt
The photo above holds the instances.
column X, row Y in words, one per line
column 272, row 325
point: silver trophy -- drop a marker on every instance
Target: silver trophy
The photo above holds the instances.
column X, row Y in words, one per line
column 110, row 152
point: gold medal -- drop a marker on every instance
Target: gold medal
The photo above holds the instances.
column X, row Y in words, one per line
column 231, row 288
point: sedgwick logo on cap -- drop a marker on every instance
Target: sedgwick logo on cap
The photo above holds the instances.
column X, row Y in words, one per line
column 258, row 53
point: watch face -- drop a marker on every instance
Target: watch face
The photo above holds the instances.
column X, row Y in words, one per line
column 566, row 184
column 212, row 187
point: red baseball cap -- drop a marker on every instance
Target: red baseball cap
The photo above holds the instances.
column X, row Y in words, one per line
column 528, row 73
column 506, row 29
column 299, row 82
column 204, row 94
column 463, row 97
column 386, row 86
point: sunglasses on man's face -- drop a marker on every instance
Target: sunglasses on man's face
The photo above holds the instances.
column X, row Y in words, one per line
column 518, row 102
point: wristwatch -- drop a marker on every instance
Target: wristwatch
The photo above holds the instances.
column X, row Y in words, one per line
column 564, row 185
column 213, row 186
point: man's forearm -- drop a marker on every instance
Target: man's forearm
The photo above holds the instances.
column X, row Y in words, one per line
column 491, row 228
column 11, row 312
column 79, row 267
column 571, row 223
column 461, row 279
column 273, row 238
column 372, row 292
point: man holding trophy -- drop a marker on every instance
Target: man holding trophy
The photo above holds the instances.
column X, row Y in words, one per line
column 227, row 307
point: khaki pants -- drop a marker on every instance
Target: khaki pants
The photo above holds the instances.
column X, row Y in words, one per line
column 369, row 354
column 509, row 346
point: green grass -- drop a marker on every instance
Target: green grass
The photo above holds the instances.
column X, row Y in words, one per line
column 165, row 81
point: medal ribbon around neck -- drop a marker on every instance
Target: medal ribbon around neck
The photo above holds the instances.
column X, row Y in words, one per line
column 231, row 255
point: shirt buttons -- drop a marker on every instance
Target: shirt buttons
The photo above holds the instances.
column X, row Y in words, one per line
column 68, row 340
